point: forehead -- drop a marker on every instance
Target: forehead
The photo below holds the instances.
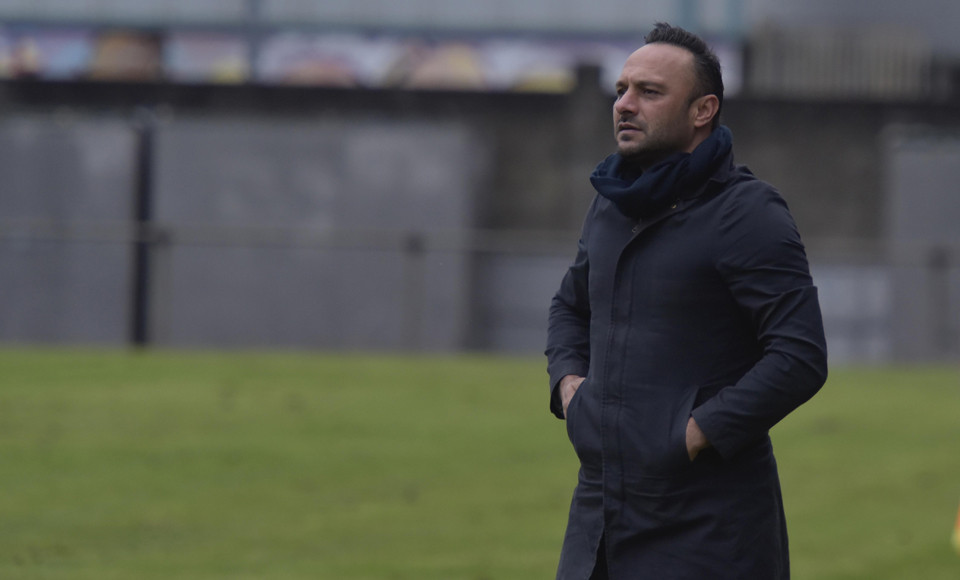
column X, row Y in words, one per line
column 660, row 63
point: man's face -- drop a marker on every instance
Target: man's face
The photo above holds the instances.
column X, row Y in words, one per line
column 653, row 116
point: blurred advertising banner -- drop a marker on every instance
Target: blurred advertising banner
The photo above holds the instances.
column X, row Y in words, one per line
column 58, row 54
column 481, row 63
column 127, row 56
column 72, row 54
column 492, row 64
column 503, row 63
column 202, row 57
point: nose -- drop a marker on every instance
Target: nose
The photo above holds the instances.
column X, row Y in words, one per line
column 625, row 105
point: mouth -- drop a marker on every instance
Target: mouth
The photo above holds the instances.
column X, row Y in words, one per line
column 627, row 127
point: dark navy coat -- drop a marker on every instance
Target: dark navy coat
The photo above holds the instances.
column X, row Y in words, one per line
column 706, row 309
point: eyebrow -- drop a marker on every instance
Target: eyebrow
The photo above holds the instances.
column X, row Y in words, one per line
column 642, row 84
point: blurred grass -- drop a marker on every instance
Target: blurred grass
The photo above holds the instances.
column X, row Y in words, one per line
column 871, row 475
column 120, row 465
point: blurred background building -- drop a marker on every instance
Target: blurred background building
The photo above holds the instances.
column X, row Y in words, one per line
column 411, row 175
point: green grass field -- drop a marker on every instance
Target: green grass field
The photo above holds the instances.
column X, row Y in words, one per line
column 119, row 465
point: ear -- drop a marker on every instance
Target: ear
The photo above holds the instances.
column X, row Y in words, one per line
column 704, row 109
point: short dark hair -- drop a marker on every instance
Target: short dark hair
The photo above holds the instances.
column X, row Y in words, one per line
column 705, row 62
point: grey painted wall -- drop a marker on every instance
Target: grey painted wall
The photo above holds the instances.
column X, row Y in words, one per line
column 344, row 197
column 420, row 220
column 56, row 287
column 922, row 217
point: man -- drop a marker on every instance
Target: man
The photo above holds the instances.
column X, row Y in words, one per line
column 686, row 327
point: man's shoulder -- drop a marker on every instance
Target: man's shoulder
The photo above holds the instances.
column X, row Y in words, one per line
column 743, row 190
column 748, row 206
column 751, row 213
column 741, row 177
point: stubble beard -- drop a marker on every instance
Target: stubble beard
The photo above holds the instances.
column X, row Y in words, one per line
column 644, row 154
column 652, row 148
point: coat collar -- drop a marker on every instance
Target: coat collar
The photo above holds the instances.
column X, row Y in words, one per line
column 722, row 175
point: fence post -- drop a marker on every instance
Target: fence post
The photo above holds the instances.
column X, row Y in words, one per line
column 414, row 288
column 940, row 300
column 144, row 126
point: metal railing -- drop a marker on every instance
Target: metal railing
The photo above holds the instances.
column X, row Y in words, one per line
column 879, row 302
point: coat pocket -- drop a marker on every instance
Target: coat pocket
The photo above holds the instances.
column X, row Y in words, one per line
column 654, row 422
column 572, row 410
column 583, row 425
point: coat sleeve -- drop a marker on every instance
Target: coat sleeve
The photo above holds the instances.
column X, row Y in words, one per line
column 762, row 260
column 568, row 327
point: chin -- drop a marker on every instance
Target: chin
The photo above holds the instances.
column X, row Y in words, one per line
column 629, row 150
column 642, row 158
column 632, row 153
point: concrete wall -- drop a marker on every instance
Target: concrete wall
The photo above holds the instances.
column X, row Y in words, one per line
column 55, row 287
column 267, row 233
column 922, row 217
column 345, row 197
column 397, row 220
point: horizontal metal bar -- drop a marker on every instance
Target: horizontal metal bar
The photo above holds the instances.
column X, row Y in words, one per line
column 160, row 233
column 475, row 240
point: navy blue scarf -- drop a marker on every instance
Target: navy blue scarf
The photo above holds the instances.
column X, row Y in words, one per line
column 643, row 195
